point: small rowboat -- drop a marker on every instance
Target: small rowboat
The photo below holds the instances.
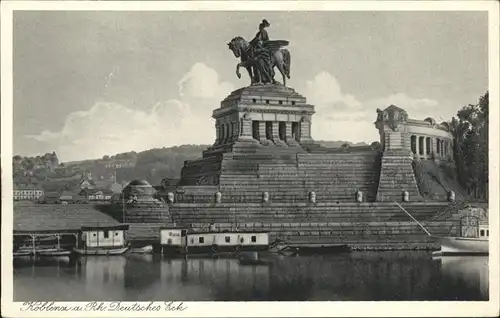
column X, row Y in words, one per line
column 101, row 251
column 54, row 252
column 148, row 249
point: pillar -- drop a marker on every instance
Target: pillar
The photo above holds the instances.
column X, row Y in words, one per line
column 275, row 132
column 288, row 127
column 245, row 131
column 262, row 130
column 234, row 131
column 305, row 130
column 424, row 146
column 434, row 147
column 217, row 133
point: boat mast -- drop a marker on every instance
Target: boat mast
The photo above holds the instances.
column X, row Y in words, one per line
column 423, row 228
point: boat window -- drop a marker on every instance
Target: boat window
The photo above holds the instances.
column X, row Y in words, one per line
column 228, row 239
column 94, row 235
column 487, row 232
column 201, row 240
column 106, row 234
column 254, row 238
column 169, row 241
column 242, row 240
column 116, row 233
column 482, row 232
column 183, row 233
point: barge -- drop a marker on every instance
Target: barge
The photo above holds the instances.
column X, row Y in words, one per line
column 181, row 241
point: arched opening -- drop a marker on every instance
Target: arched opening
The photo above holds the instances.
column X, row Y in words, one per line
column 413, row 144
column 438, row 146
column 421, row 145
column 428, row 145
column 282, row 130
column 255, row 129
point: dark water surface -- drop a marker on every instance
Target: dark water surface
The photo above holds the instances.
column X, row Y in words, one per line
column 360, row 276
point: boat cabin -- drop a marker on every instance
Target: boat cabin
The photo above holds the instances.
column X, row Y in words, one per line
column 173, row 237
column 182, row 240
column 484, row 231
column 103, row 236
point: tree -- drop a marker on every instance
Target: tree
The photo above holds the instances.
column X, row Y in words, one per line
column 375, row 145
column 470, row 131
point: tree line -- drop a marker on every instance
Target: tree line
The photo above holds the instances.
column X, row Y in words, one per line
column 470, row 146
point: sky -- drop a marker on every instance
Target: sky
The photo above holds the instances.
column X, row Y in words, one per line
column 88, row 84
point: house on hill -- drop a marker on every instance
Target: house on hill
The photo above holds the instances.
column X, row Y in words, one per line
column 86, row 181
column 96, row 194
column 27, row 190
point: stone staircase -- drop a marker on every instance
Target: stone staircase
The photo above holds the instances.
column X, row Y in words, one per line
column 289, row 176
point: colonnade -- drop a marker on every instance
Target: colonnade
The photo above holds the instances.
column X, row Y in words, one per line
column 423, row 147
column 260, row 130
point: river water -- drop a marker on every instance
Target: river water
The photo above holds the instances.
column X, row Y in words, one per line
column 358, row 276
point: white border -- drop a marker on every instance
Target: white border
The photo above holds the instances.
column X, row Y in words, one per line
column 271, row 309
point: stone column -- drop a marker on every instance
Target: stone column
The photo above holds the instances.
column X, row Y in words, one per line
column 231, row 131
column 236, row 130
column 245, row 129
column 424, row 146
column 418, row 140
column 275, row 132
column 305, row 129
column 222, row 133
column 217, row 133
column 288, row 128
column 228, row 132
column 262, row 130
column 434, row 147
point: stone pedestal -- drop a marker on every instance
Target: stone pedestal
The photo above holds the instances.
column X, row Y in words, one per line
column 396, row 176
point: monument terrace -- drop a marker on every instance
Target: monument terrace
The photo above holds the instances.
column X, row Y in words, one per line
column 265, row 172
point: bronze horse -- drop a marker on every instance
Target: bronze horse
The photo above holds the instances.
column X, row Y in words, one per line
column 280, row 58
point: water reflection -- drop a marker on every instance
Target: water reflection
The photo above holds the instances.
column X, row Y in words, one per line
column 353, row 276
column 470, row 272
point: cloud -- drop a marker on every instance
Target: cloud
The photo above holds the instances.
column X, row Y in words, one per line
column 108, row 128
column 341, row 116
column 202, row 82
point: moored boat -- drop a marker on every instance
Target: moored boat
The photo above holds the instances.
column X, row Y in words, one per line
column 101, row 251
column 53, row 252
column 183, row 241
column 147, row 249
column 463, row 246
column 102, row 240
column 475, row 241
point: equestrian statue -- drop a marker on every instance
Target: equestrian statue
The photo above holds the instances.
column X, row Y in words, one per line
column 260, row 56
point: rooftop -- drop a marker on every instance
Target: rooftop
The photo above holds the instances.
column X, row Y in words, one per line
column 48, row 217
column 139, row 183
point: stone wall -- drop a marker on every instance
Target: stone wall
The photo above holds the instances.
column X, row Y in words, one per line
column 291, row 174
column 325, row 223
